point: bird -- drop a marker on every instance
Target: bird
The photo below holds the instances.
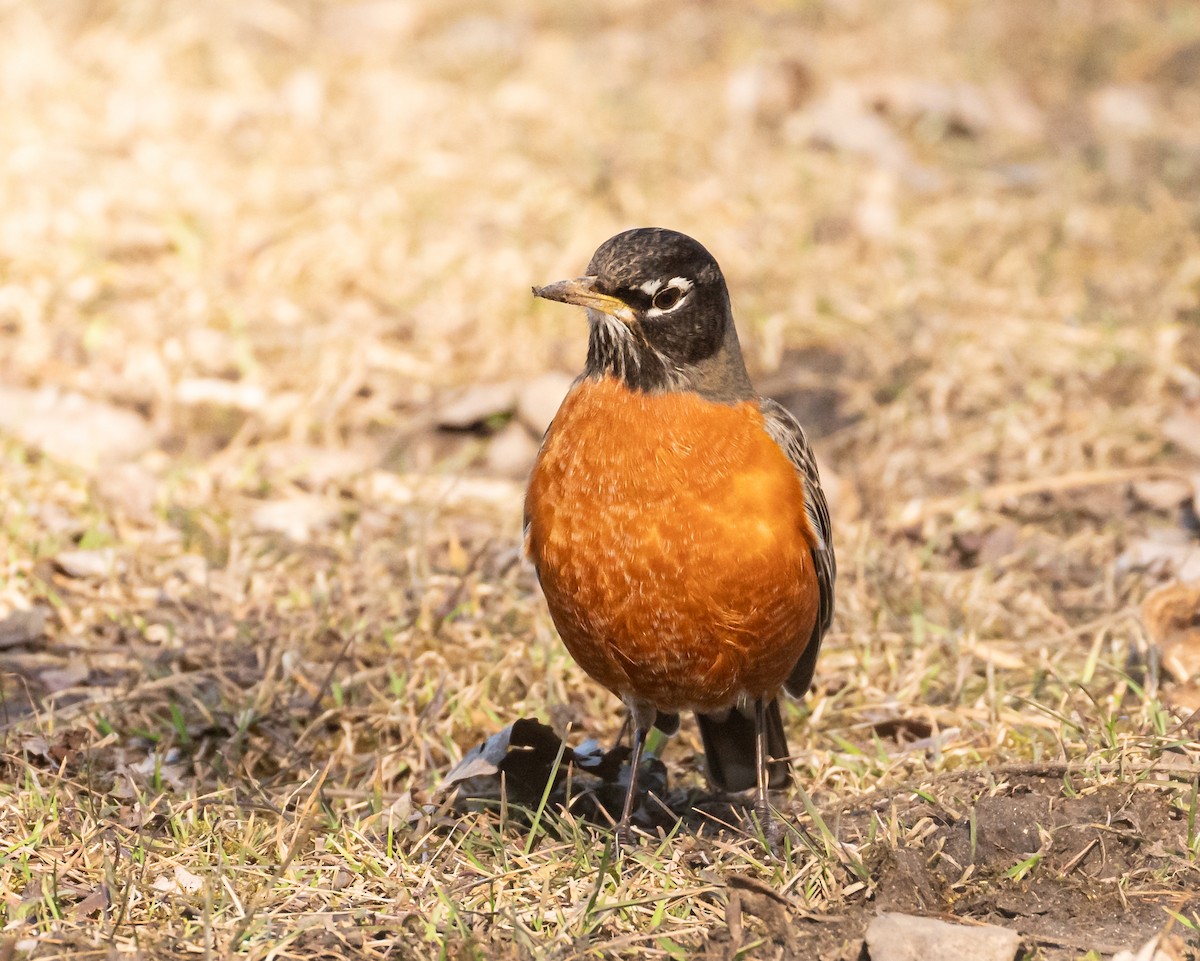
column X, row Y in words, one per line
column 675, row 519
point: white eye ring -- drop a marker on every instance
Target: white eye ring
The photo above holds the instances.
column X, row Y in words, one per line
column 668, row 296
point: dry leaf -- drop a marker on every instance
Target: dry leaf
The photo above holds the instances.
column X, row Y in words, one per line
column 182, row 882
column 58, row 679
column 73, row 428
column 1165, row 494
column 1183, row 429
column 1171, row 615
column 540, row 398
column 88, row 564
column 22, row 627
column 96, row 901
column 476, row 405
column 298, row 518
column 1169, row 551
column 447, row 491
column 217, row 392
column 511, row 451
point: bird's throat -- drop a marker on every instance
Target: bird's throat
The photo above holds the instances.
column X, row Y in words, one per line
column 622, row 352
column 627, row 354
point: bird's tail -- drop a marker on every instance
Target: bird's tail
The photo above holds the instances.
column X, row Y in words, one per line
column 730, row 753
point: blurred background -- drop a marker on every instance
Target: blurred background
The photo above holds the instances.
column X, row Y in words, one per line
column 263, row 223
column 271, row 377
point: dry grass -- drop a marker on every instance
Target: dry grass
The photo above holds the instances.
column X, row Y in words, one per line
column 281, row 233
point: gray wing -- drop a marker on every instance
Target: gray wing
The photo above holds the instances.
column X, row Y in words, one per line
column 786, row 431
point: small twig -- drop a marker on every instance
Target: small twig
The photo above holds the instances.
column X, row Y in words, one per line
column 327, row 684
column 1078, row 859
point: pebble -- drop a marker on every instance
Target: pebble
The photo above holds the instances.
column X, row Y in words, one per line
column 904, row 937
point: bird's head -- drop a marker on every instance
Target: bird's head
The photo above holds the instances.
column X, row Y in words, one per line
column 659, row 314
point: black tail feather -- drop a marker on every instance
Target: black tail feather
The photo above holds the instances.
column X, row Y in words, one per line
column 729, row 749
column 667, row 723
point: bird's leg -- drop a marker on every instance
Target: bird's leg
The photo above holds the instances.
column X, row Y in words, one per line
column 762, row 806
column 641, row 717
column 624, row 836
column 623, row 731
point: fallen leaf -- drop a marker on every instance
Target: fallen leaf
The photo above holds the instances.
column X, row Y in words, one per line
column 960, row 109
column 840, row 119
column 518, row 761
column 87, row 564
column 218, row 392
column 96, row 901
column 1123, row 110
column 317, row 466
column 446, row 490
column 58, row 679
column 182, row 882
column 1171, row 615
column 978, row 547
column 130, row 488
column 73, row 428
column 511, row 451
column 540, row 398
column 34, row 745
column 22, row 627
column 191, row 883
column 1166, row 552
column 475, row 406
column 155, row 766
column 1165, row 494
column 524, row 753
column 768, row 91
column 1183, row 429
column 297, row 518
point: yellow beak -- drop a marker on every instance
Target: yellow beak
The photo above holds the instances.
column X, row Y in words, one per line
column 582, row 292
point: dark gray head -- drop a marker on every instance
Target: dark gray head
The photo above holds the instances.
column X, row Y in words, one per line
column 659, row 314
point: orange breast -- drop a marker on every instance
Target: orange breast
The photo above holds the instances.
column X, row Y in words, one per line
column 671, row 541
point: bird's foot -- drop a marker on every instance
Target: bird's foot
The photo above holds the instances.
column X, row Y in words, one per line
column 769, row 827
column 625, row 840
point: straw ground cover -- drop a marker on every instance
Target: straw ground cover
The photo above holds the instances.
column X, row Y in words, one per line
column 256, row 604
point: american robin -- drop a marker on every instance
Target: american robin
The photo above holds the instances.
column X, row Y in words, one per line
column 676, row 519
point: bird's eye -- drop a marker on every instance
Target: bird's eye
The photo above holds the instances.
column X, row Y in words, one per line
column 667, row 298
